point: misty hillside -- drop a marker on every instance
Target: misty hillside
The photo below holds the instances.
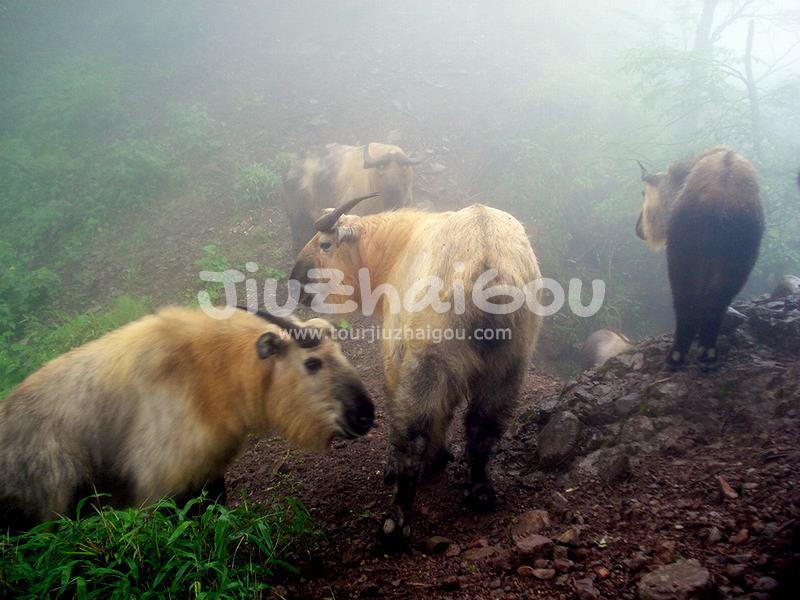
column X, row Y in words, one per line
column 143, row 143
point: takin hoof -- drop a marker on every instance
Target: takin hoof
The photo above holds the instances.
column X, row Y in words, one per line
column 481, row 497
column 440, row 460
column 707, row 358
column 395, row 534
column 675, row 360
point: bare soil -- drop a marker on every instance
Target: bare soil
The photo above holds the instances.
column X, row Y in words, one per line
column 670, row 507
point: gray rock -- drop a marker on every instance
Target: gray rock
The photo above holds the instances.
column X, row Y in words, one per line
column 680, row 580
column 626, row 404
column 559, row 439
column 788, row 285
column 637, row 429
column 732, row 321
column 609, row 465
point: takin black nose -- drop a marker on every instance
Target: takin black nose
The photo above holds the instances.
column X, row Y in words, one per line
column 360, row 413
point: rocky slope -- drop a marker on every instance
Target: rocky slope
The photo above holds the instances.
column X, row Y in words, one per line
column 626, row 482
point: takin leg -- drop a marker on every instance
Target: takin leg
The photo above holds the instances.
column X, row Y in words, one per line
column 407, row 447
column 420, row 409
column 686, row 323
column 730, row 270
column 685, row 283
column 491, row 405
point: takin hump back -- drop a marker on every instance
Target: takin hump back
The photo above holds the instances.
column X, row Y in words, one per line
column 707, row 211
column 327, row 178
column 161, row 406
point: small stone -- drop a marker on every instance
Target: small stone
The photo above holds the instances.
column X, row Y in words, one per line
column 559, row 439
column 727, row 490
column 638, row 428
column 480, row 553
column 453, row 550
column 765, row 584
column 735, row 572
column 494, row 584
column 585, row 590
column 625, row 405
column 679, row 580
column 544, row 573
column 569, row 537
column 740, row 537
column 500, row 560
column 535, row 545
column 558, row 501
column 525, row 571
column 637, row 562
column 541, row 563
column 602, row 573
column 437, row 544
column 714, row 535
column 665, row 552
column 530, row 522
column 563, row 565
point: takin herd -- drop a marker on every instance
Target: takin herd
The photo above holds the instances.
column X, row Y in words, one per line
column 163, row 405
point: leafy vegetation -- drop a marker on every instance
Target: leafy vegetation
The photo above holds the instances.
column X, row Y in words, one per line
column 257, row 184
column 44, row 342
column 157, row 551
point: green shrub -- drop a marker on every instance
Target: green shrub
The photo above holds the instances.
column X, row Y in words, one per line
column 154, row 552
column 45, row 342
column 256, row 184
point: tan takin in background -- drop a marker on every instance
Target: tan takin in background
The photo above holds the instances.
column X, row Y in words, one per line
column 327, row 179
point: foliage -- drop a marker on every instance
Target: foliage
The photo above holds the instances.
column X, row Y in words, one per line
column 212, row 259
column 44, row 342
column 157, row 551
column 257, row 184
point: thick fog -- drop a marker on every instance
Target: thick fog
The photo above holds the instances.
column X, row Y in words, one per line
column 126, row 127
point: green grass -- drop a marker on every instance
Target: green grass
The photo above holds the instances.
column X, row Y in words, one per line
column 256, row 184
column 44, row 342
column 154, row 552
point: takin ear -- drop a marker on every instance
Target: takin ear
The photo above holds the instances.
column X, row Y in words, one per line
column 270, row 344
column 346, row 233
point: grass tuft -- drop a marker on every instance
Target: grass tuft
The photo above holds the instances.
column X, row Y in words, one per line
column 157, row 551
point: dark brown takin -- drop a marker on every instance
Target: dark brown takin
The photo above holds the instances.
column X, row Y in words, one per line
column 707, row 211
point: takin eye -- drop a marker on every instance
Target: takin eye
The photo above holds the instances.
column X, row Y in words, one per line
column 312, row 364
column 325, row 246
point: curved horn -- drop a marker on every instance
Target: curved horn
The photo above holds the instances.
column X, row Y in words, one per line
column 327, row 222
column 369, row 162
column 645, row 173
column 307, row 340
column 410, row 160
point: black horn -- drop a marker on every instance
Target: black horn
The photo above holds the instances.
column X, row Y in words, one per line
column 327, row 222
column 410, row 160
column 304, row 337
column 644, row 170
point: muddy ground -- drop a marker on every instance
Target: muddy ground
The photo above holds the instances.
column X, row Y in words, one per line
column 725, row 495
